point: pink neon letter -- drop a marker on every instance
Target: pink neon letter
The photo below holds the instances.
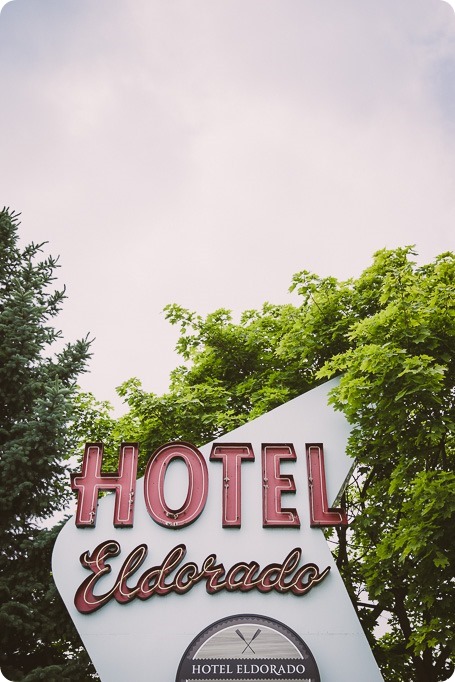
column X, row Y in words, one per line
column 155, row 473
column 90, row 481
column 320, row 513
column 275, row 484
column 232, row 456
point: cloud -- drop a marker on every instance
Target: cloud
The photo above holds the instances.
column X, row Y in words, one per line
column 202, row 152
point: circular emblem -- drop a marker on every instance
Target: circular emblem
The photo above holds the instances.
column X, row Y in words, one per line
column 247, row 647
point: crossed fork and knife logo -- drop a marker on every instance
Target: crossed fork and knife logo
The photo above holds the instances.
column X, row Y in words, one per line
column 248, row 644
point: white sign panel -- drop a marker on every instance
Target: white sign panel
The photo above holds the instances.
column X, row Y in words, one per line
column 237, row 584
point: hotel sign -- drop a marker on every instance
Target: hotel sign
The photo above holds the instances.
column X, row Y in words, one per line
column 214, row 565
column 240, row 648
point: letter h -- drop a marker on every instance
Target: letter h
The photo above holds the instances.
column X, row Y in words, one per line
column 90, row 481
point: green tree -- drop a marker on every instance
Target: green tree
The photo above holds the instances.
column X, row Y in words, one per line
column 398, row 391
column 390, row 333
column 36, row 389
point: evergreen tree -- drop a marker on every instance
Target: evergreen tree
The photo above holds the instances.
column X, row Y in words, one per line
column 36, row 389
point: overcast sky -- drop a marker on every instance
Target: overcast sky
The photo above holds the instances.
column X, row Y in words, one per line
column 203, row 151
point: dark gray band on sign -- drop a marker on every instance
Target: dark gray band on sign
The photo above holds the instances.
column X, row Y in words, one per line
column 248, row 647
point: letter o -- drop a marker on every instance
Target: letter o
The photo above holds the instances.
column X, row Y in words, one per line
column 155, row 473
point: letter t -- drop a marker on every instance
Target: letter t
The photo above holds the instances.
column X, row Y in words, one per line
column 232, row 455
